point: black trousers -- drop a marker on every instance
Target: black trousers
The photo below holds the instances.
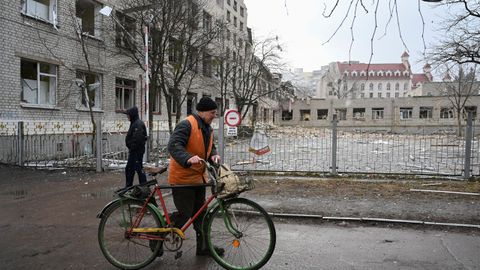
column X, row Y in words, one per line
column 188, row 201
column 134, row 164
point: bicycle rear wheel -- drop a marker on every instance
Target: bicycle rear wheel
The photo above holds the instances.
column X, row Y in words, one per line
column 125, row 251
column 250, row 241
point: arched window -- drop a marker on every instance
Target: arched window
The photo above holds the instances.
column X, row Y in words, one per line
column 363, row 73
column 362, row 87
column 380, row 87
column 370, row 87
column 397, row 86
column 388, row 86
column 380, row 73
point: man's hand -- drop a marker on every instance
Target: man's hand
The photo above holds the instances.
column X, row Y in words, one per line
column 194, row 160
column 215, row 158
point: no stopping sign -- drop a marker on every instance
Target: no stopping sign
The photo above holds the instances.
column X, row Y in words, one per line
column 232, row 118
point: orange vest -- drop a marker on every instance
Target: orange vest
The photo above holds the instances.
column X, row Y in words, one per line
column 195, row 174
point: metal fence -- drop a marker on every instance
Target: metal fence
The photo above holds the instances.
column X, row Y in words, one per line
column 292, row 149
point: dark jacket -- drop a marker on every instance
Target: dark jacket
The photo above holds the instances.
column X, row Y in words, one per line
column 137, row 132
column 179, row 138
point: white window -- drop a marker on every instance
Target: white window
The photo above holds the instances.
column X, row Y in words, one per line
column 90, row 86
column 377, row 113
column 41, row 9
column 88, row 17
column 39, row 82
column 406, row 113
column 124, row 94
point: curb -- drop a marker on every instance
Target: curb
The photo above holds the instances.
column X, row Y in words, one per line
column 365, row 219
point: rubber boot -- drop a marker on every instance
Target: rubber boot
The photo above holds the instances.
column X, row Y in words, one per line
column 202, row 249
column 152, row 244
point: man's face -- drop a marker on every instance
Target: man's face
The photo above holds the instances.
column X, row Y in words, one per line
column 208, row 116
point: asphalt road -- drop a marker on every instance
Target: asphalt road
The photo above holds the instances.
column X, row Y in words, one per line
column 48, row 222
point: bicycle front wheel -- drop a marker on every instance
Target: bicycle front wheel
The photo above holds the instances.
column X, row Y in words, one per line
column 123, row 250
column 244, row 231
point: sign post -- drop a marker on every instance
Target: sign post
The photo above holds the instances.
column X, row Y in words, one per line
column 232, row 119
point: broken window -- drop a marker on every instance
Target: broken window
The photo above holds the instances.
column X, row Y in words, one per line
column 446, row 113
column 304, row 115
column 377, row 113
column 341, row 114
column 90, row 86
column 426, row 112
column 39, row 82
column 322, row 114
column 125, row 31
column 406, row 113
column 124, row 94
column 88, row 18
column 41, row 9
column 359, row 113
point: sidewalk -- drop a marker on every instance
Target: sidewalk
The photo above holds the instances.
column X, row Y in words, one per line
column 357, row 198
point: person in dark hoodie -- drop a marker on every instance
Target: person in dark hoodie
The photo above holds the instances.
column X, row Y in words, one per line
column 135, row 142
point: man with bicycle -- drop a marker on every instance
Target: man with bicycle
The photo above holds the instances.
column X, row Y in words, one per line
column 190, row 142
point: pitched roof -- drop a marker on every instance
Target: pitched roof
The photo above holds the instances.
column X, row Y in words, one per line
column 374, row 67
column 419, row 78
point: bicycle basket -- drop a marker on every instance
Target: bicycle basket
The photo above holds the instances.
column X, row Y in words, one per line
column 233, row 183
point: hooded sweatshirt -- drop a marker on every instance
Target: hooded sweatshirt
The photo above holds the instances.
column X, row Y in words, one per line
column 137, row 132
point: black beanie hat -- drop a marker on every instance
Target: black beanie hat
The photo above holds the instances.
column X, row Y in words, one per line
column 206, row 104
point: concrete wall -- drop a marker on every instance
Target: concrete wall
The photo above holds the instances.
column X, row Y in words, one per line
column 392, row 120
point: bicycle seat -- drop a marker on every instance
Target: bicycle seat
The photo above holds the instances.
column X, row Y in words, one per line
column 155, row 170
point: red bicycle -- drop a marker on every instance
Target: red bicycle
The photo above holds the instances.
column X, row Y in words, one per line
column 132, row 227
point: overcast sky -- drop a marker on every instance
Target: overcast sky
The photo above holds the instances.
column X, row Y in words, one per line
column 302, row 30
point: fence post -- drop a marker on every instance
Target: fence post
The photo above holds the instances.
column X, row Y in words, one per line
column 468, row 146
column 334, row 144
column 221, row 138
column 99, row 150
column 20, row 139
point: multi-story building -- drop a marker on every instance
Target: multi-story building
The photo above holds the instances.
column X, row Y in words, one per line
column 60, row 56
column 350, row 80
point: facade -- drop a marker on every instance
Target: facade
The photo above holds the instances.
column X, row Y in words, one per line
column 353, row 80
column 422, row 114
column 48, row 74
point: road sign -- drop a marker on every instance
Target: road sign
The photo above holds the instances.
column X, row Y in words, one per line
column 232, row 131
column 232, row 118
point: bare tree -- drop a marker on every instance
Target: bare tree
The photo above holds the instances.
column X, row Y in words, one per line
column 460, row 41
column 180, row 32
column 85, row 85
column 252, row 72
column 339, row 86
column 460, row 90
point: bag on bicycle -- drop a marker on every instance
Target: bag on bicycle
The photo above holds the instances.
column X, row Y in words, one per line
column 232, row 184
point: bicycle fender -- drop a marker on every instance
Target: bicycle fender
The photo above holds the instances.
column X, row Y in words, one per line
column 102, row 212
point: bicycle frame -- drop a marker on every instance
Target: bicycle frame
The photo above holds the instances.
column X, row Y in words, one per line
column 145, row 233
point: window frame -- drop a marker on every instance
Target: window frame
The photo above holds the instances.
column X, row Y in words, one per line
column 52, row 11
column 378, row 113
column 121, row 84
column 52, row 94
column 98, row 94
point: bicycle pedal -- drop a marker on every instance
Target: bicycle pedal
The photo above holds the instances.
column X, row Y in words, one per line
column 178, row 255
